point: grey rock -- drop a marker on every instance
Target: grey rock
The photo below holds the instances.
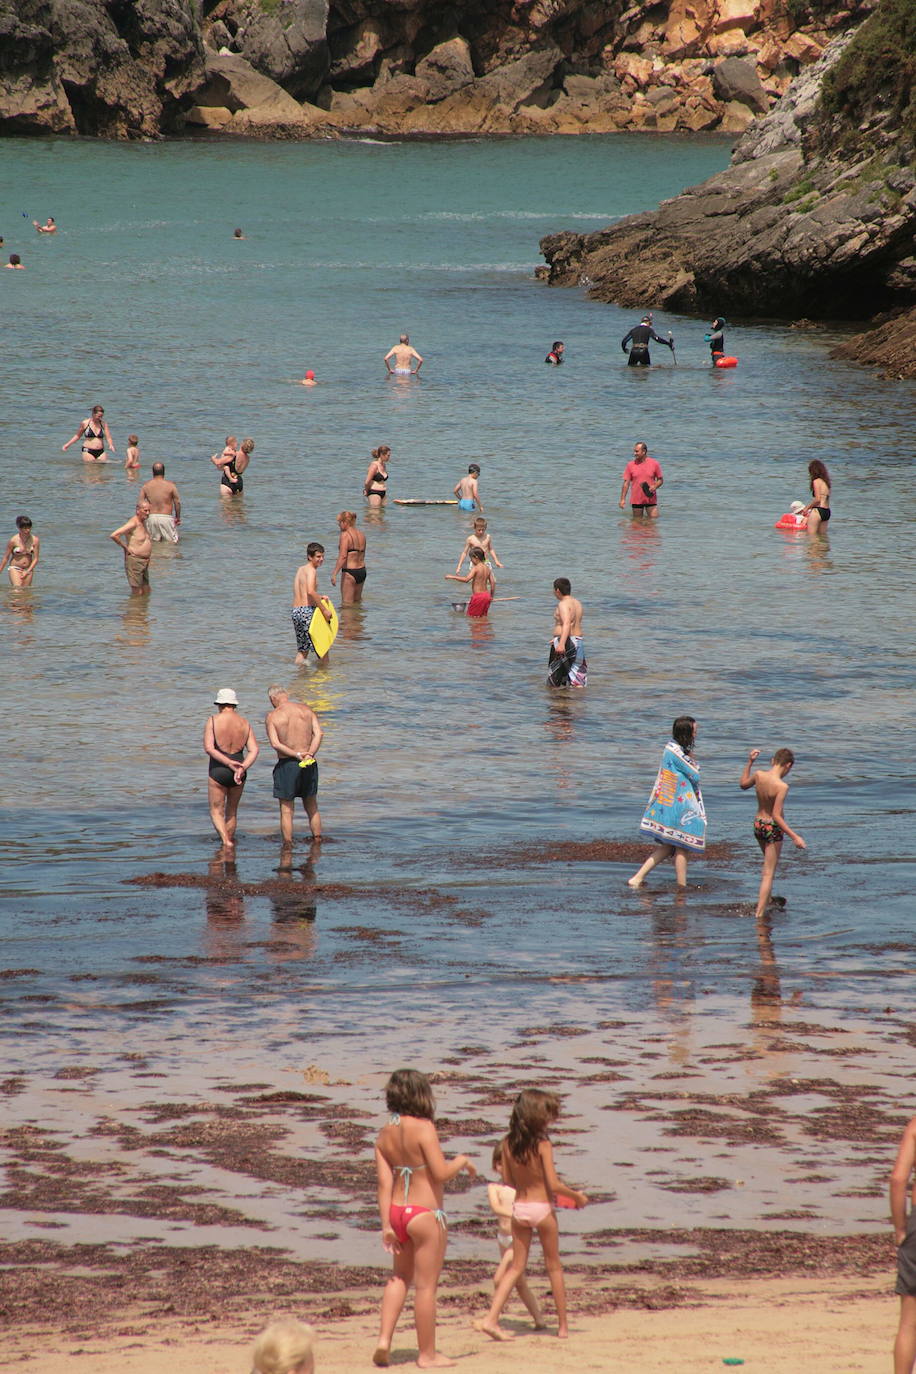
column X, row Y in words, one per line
column 287, row 42
column 233, row 84
column 32, row 99
column 446, row 68
column 736, row 79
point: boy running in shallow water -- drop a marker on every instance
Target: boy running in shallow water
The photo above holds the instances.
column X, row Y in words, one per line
column 769, row 824
column 479, row 539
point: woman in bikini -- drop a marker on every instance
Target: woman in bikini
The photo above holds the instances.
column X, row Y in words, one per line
column 818, row 508
column 351, row 559
column 21, row 554
column 94, row 433
column 232, row 749
column 412, row 1173
column 232, row 462
column 527, row 1166
column 375, row 486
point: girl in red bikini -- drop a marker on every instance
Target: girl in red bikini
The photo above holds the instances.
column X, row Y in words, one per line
column 412, row 1174
column 527, row 1159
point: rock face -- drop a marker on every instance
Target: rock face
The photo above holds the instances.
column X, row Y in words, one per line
column 129, row 67
column 92, row 67
column 813, row 217
column 890, row 345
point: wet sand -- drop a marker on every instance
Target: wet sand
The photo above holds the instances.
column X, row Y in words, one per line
column 821, row 1326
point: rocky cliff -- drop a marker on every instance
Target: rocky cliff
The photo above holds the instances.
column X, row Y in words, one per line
column 141, row 67
column 815, row 216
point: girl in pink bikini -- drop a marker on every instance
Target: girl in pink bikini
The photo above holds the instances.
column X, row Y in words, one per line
column 412, row 1174
column 527, row 1161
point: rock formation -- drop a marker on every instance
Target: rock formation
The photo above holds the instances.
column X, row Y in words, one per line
column 85, row 66
column 136, row 67
column 815, row 216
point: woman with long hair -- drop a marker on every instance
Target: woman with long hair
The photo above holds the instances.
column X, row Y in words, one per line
column 818, row 508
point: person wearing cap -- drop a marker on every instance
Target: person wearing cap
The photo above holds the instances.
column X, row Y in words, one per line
column 638, row 339
column 229, row 741
column 716, row 338
column 309, row 379
column 295, row 732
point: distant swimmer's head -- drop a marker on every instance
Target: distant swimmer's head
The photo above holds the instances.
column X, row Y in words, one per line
column 159, row 469
column 15, row 260
column 310, row 376
column 557, row 346
column 562, row 586
column 238, row 234
column 474, row 469
column 478, row 556
column 225, row 697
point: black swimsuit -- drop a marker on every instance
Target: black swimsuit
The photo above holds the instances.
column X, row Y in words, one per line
column 98, row 435
column 231, row 478
column 221, row 772
column 381, row 478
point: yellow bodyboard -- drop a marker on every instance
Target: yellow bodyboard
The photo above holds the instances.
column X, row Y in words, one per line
column 322, row 632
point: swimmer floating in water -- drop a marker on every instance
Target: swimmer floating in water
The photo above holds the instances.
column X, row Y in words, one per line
column 309, row 379
column 49, row 228
column 555, row 356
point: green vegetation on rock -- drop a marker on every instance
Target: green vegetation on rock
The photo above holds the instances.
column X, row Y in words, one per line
column 874, row 78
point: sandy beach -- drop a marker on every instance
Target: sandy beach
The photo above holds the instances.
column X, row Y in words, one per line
column 825, row 1326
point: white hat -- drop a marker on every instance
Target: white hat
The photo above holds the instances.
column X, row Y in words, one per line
column 797, row 506
column 226, row 697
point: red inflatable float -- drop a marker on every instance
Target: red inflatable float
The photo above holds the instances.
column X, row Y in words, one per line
column 724, row 361
column 791, row 521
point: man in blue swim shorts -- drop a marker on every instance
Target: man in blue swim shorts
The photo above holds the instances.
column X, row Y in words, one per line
column 295, row 732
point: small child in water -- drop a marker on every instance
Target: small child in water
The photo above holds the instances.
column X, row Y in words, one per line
column 132, row 459
column 467, row 492
column 285, row 1346
column 770, row 824
column 483, row 585
column 527, row 1160
column 479, row 539
column 501, row 1197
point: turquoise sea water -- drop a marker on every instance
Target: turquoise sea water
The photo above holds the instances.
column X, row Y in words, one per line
column 443, row 744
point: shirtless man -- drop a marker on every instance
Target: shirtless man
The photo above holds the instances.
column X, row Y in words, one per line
column 164, row 503
column 905, row 1235
column 566, row 663
column 769, row 824
column 138, row 549
column 308, row 601
column 403, row 356
column 49, row 228
column 294, row 731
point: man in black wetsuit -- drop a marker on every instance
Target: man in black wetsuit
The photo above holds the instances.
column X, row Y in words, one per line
column 638, row 339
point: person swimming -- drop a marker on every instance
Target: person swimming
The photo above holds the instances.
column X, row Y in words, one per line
column 555, row 356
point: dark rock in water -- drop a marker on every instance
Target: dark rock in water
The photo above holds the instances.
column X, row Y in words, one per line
column 736, row 78
column 815, row 215
column 889, row 345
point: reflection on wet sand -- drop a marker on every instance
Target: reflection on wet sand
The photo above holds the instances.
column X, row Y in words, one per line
column 294, row 904
column 225, row 906
column 232, row 510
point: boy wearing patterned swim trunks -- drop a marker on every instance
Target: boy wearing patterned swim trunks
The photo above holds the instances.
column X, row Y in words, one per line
column 308, row 601
column 770, row 824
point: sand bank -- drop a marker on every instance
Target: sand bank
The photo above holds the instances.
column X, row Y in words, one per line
column 825, row 1326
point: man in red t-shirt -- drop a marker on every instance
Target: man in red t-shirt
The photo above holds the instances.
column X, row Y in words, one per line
column 642, row 477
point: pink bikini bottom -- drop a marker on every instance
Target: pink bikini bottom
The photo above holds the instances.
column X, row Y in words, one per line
column 530, row 1213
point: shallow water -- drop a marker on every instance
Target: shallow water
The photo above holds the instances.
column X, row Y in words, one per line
column 442, row 741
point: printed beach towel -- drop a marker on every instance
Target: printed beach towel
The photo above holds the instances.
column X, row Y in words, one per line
column 675, row 813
